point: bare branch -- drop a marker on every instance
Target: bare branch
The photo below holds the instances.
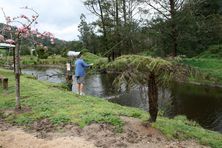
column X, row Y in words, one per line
column 158, row 10
column 179, row 5
column 165, row 8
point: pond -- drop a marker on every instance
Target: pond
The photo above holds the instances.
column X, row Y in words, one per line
column 202, row 104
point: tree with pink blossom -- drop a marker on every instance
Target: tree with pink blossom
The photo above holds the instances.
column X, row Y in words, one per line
column 24, row 30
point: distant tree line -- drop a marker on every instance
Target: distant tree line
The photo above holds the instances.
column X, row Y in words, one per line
column 154, row 27
column 158, row 27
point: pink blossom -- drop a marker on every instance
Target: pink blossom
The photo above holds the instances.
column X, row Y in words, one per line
column 38, row 35
column 26, row 35
column 10, row 41
column 1, row 38
column 52, row 40
column 23, row 30
column 47, row 33
column 34, row 32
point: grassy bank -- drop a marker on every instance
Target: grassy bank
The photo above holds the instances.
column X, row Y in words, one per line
column 181, row 128
column 44, row 100
column 33, row 60
column 51, row 101
column 212, row 67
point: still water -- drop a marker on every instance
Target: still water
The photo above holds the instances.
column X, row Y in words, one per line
column 202, row 104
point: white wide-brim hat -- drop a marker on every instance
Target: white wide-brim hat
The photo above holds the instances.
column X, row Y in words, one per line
column 73, row 53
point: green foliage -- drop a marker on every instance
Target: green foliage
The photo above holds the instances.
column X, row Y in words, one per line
column 22, row 119
column 148, row 53
column 103, row 118
column 211, row 67
column 29, row 60
column 42, row 53
column 53, row 60
column 213, row 51
column 191, row 27
column 135, row 69
column 61, row 118
column 98, row 61
column 33, row 60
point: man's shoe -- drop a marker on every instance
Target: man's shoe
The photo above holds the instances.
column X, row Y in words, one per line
column 82, row 94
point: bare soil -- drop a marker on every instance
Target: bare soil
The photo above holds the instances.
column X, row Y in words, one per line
column 43, row 134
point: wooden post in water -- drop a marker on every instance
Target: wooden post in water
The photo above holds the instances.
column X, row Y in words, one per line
column 69, row 74
column 68, row 71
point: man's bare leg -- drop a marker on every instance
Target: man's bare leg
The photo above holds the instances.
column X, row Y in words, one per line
column 78, row 88
column 81, row 89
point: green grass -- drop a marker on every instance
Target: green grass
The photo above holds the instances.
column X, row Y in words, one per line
column 212, row 67
column 181, row 128
column 53, row 102
column 60, row 106
column 53, row 60
column 33, row 60
column 96, row 60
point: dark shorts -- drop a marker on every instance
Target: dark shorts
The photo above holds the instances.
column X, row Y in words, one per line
column 80, row 80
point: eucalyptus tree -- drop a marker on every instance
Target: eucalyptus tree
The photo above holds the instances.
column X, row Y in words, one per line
column 116, row 21
column 209, row 15
column 150, row 72
column 86, row 34
column 199, row 26
column 167, row 10
column 97, row 7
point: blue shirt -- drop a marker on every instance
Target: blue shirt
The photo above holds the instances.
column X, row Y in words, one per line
column 80, row 66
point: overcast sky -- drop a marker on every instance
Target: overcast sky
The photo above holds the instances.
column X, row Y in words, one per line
column 60, row 17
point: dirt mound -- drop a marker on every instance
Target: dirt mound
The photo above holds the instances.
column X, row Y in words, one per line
column 20, row 139
column 134, row 135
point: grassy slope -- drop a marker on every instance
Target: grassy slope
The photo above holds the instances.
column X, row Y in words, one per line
column 211, row 66
column 60, row 106
column 181, row 128
column 92, row 58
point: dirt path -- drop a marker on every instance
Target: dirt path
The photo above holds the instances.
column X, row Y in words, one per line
column 134, row 135
column 20, row 139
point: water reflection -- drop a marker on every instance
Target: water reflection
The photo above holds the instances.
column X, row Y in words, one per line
column 199, row 103
column 98, row 85
column 53, row 75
